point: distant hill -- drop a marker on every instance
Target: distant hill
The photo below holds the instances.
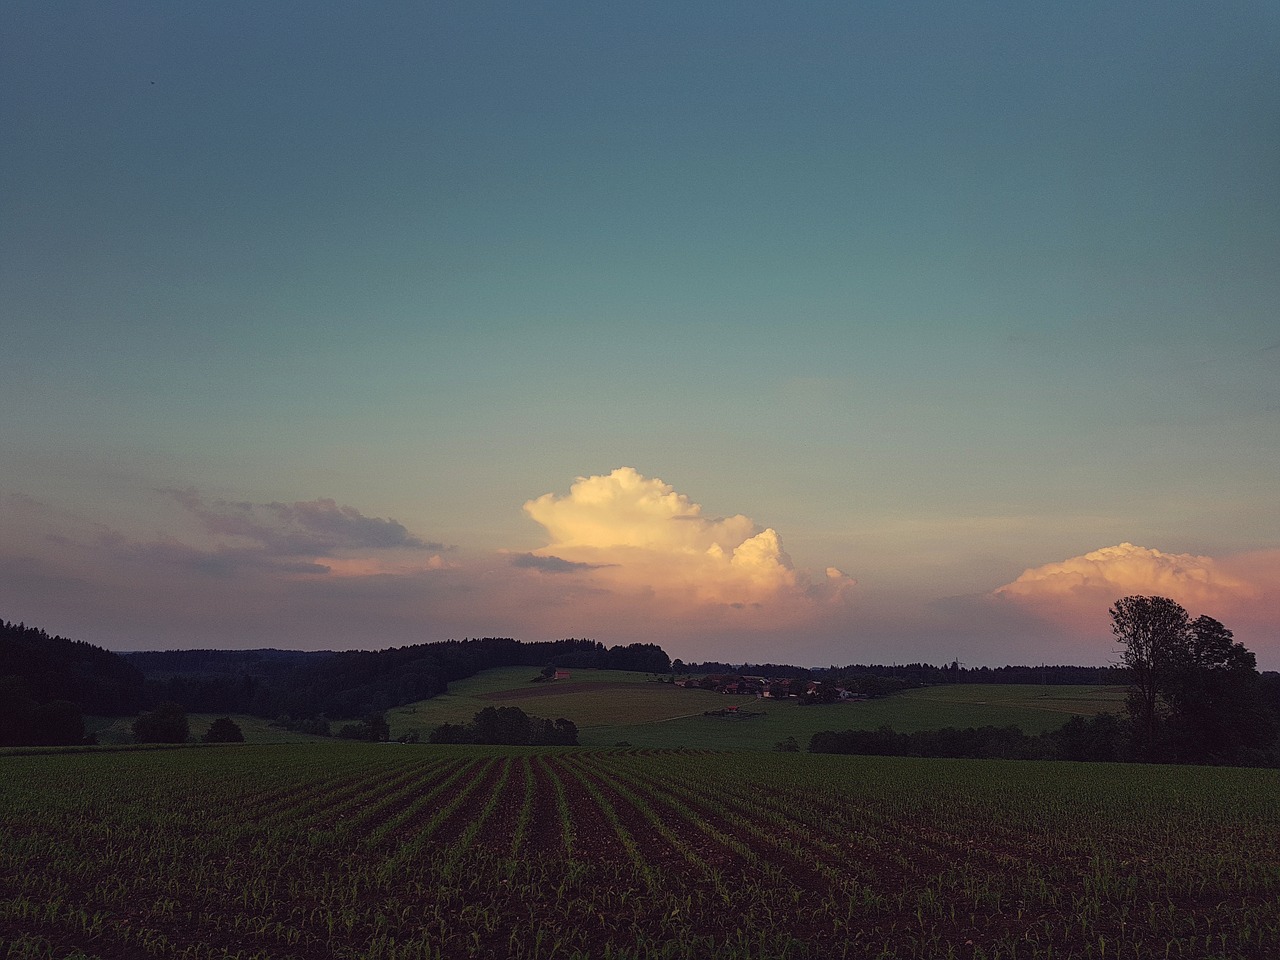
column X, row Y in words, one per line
column 49, row 668
column 356, row 683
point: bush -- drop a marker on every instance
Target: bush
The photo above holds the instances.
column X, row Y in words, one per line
column 167, row 723
column 223, row 730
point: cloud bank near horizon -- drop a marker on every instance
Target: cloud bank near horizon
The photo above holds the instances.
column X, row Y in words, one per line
column 627, row 558
column 1242, row 590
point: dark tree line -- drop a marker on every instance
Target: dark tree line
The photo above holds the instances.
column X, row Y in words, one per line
column 1095, row 738
column 887, row 678
column 55, row 668
column 304, row 688
column 48, row 683
column 746, row 669
column 509, row 726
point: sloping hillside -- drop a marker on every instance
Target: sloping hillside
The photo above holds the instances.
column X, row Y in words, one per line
column 611, row 706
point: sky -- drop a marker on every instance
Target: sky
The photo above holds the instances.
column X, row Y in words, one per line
column 817, row 333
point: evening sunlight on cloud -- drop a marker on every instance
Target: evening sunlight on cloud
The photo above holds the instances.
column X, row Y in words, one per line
column 1077, row 592
column 636, row 534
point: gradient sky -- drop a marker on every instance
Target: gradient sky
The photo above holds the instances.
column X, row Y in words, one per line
column 805, row 332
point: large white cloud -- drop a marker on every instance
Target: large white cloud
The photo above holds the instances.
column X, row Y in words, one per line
column 636, row 534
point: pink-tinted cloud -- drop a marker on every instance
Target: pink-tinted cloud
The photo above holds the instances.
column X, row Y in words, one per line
column 626, row 558
column 309, row 538
column 1241, row 590
column 305, row 574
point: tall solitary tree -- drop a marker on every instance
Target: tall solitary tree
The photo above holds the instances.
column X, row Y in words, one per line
column 1194, row 694
column 1156, row 633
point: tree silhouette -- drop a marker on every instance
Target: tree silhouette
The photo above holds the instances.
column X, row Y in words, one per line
column 1194, row 692
column 1218, row 712
column 1155, row 632
column 223, row 730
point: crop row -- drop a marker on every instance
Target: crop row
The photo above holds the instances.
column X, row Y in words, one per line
column 337, row 850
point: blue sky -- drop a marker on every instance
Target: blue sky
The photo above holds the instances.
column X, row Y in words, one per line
column 940, row 293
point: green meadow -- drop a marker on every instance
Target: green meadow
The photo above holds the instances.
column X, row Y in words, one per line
column 617, row 706
column 612, row 706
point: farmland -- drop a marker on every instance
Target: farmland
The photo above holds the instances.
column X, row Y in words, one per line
column 610, row 706
column 393, row 851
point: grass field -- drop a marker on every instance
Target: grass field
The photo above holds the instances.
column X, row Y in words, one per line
column 418, row 852
column 612, row 706
column 616, row 706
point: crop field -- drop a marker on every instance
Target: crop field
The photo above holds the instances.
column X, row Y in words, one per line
column 392, row 851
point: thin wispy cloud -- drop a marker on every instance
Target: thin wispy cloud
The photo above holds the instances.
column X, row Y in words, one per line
column 310, row 527
column 550, row 564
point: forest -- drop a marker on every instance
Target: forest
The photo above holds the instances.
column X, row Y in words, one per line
column 49, row 682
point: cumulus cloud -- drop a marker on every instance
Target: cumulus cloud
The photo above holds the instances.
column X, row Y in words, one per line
column 638, row 535
column 1126, row 569
column 1079, row 591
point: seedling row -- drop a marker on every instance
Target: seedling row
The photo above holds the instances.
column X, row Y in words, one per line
column 353, row 851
